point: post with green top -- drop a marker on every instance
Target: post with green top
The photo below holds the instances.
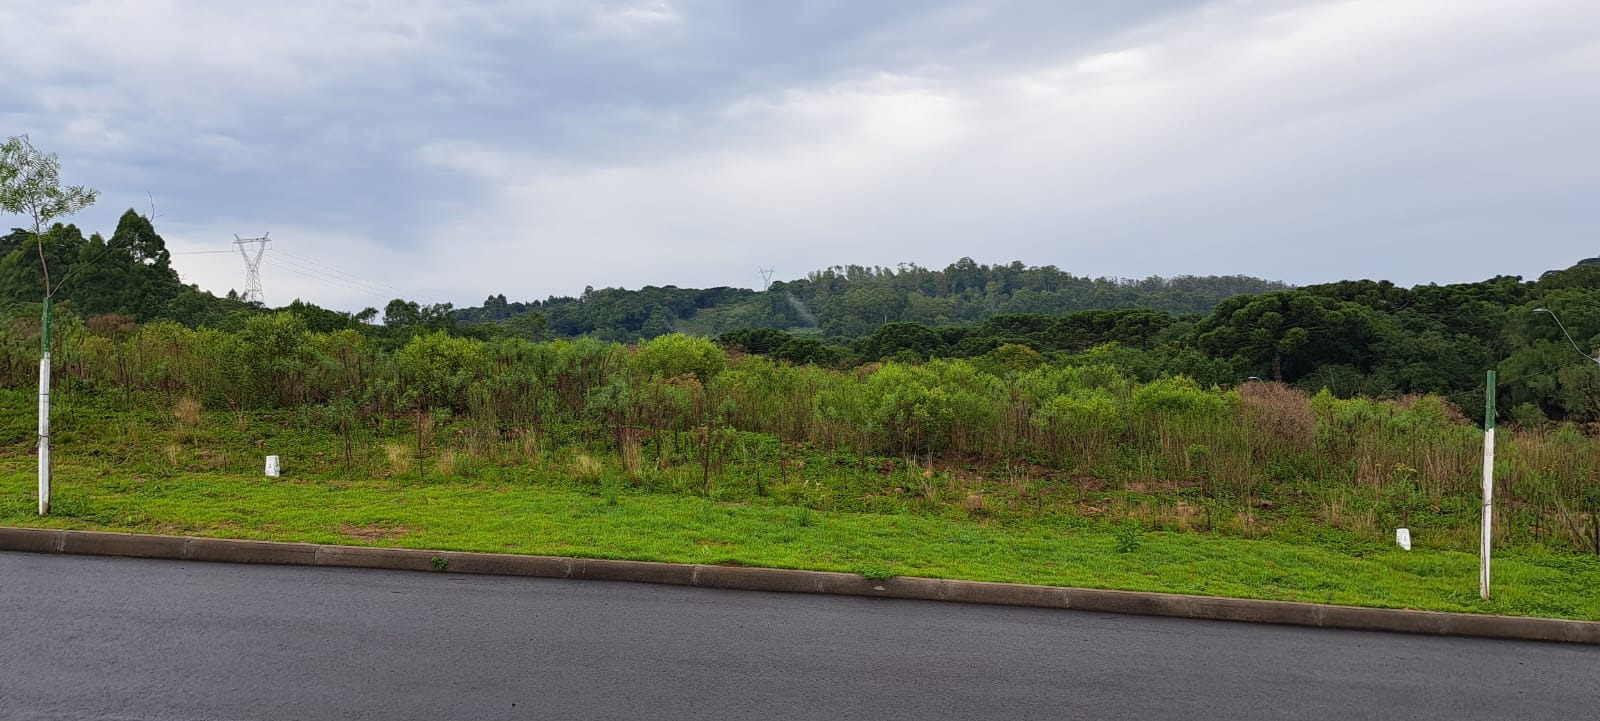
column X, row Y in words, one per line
column 44, row 410
column 1488, row 486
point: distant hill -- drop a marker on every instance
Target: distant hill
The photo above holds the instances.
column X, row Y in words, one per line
column 852, row 301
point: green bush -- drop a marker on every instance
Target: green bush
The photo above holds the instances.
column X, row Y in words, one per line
column 676, row 354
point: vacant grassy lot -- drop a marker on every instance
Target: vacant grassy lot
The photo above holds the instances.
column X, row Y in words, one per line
column 180, row 469
column 537, row 518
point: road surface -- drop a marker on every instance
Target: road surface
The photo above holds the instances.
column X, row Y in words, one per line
column 107, row 638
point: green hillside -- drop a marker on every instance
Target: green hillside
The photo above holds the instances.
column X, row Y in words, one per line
column 847, row 302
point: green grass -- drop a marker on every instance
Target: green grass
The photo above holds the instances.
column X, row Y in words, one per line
column 137, row 471
column 531, row 518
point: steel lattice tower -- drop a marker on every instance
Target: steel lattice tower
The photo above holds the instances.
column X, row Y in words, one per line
column 251, row 249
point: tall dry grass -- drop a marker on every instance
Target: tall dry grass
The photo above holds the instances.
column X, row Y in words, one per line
column 187, row 411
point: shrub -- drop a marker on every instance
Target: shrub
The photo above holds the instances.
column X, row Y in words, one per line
column 1278, row 414
column 1176, row 396
column 676, row 354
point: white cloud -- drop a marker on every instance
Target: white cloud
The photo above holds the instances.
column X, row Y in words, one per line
column 637, row 19
column 1220, row 141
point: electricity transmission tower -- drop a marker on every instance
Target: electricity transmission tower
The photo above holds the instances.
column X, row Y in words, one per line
column 766, row 278
column 252, row 265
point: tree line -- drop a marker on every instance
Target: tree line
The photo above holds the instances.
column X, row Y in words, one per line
column 847, row 302
column 1353, row 338
column 129, row 274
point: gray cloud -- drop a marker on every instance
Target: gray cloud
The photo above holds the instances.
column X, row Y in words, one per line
column 455, row 150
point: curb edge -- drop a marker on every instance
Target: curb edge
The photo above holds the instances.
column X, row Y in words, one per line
column 749, row 578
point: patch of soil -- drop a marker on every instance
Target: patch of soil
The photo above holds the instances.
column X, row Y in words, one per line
column 374, row 533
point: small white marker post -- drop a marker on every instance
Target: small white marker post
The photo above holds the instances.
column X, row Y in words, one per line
column 1488, row 487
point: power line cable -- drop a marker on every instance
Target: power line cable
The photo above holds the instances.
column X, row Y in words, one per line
column 310, row 272
column 288, row 263
column 351, row 281
column 375, row 284
column 335, row 281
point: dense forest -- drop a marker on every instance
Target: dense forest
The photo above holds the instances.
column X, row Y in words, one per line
column 1353, row 338
column 848, row 302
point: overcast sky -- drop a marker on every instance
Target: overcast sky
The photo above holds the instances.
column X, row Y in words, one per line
column 455, row 149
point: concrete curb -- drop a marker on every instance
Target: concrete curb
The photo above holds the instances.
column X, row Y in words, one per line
column 44, row 540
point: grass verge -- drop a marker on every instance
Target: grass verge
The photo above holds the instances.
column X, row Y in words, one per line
column 1060, row 550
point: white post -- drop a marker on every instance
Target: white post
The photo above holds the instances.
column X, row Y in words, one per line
column 1488, row 489
column 1488, row 512
column 44, row 434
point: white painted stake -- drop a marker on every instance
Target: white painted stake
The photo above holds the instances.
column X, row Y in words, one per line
column 44, row 434
column 1488, row 489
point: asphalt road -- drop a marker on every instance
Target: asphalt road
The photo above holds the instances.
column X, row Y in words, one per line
column 103, row 638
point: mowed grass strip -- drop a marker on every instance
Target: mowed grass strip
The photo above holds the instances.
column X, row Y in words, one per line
column 531, row 519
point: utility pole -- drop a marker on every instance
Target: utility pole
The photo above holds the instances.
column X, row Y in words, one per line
column 251, row 249
column 766, row 278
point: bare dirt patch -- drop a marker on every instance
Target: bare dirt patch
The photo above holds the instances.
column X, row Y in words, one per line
column 375, row 533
